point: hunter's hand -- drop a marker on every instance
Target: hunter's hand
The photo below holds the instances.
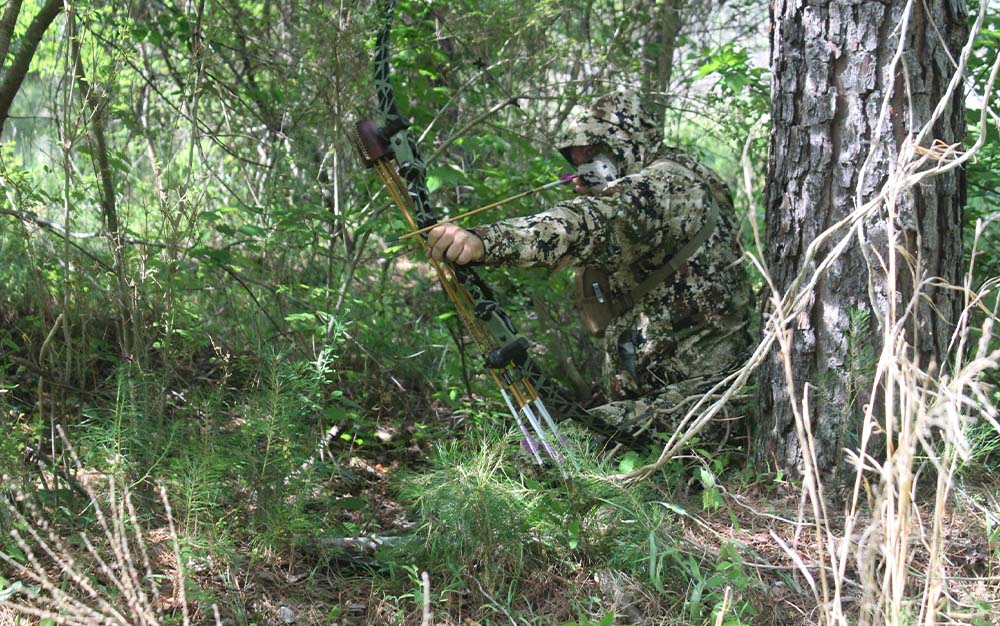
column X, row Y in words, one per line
column 454, row 243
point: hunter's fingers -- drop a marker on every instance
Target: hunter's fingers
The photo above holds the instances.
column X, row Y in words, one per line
column 439, row 240
column 454, row 243
column 472, row 251
column 433, row 235
column 465, row 255
column 456, row 249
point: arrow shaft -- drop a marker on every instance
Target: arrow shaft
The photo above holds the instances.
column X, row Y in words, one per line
column 481, row 209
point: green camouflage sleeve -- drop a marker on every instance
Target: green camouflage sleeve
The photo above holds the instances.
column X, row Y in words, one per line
column 569, row 232
column 642, row 214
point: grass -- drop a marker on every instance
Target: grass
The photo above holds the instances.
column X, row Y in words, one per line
column 495, row 530
column 704, row 542
column 499, row 537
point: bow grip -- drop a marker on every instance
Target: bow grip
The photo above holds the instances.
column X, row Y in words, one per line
column 370, row 142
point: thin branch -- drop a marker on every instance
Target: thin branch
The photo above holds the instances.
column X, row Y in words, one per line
column 18, row 69
column 7, row 24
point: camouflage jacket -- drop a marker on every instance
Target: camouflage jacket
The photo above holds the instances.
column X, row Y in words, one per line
column 691, row 326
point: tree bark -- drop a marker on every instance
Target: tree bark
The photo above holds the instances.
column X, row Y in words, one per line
column 831, row 71
column 7, row 24
column 658, row 54
column 14, row 75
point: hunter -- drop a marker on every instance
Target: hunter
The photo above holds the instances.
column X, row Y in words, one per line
column 653, row 236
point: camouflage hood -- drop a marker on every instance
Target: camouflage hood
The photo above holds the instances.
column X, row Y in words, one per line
column 618, row 121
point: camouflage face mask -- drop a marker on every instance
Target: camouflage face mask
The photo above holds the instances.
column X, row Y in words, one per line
column 598, row 172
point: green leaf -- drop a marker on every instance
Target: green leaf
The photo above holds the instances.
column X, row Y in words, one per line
column 733, row 520
column 17, row 587
column 653, row 563
column 674, row 507
column 707, row 478
column 695, row 569
column 628, row 462
column 222, row 257
column 711, row 499
column 573, row 530
column 694, row 603
column 15, row 553
column 433, row 183
column 736, row 82
column 334, row 413
column 302, row 321
column 714, row 581
column 440, row 176
column 252, row 230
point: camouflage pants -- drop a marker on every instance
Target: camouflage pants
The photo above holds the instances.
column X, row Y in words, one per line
column 652, row 419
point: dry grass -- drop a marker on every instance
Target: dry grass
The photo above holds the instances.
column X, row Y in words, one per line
column 885, row 558
column 104, row 579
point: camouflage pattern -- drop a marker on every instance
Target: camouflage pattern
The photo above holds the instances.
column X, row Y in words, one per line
column 688, row 332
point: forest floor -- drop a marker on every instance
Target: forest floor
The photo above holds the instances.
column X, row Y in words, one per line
column 777, row 551
column 736, row 547
column 777, row 582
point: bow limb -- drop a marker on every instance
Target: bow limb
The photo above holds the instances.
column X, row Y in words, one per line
column 412, row 169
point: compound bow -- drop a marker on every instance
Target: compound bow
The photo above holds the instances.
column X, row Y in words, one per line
column 505, row 351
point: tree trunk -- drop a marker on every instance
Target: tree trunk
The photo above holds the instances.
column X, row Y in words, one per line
column 13, row 75
column 831, row 65
column 659, row 45
column 96, row 107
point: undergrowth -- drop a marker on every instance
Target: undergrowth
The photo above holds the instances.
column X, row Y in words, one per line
column 488, row 521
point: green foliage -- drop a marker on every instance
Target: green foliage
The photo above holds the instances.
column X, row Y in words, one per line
column 739, row 81
column 260, row 461
column 478, row 517
column 983, row 172
column 985, row 445
column 981, row 229
column 607, row 620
